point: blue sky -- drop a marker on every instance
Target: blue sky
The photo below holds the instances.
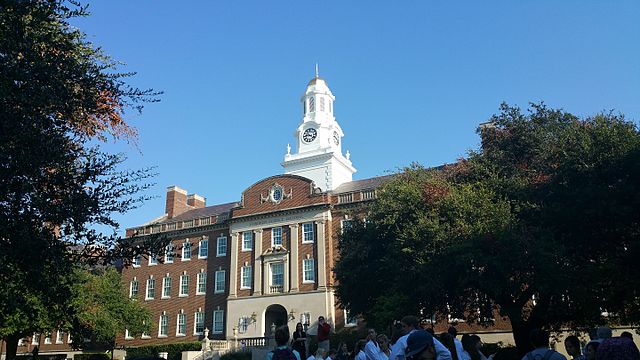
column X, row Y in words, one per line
column 412, row 79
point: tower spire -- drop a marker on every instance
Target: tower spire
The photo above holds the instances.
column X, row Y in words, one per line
column 317, row 70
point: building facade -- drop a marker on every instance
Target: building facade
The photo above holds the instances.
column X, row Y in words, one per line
column 240, row 268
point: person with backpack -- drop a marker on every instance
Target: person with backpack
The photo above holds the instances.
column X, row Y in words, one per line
column 282, row 351
column 540, row 341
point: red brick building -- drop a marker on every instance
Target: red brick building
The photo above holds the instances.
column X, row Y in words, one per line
column 239, row 268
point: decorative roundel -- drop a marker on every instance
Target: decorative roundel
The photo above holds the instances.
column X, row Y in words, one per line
column 309, row 135
column 336, row 138
column 276, row 193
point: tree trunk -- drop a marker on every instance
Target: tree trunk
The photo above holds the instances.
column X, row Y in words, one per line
column 521, row 330
column 11, row 346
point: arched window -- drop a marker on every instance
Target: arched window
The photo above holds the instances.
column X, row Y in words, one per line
column 312, row 104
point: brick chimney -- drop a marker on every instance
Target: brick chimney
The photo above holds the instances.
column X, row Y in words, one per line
column 196, row 201
column 176, row 201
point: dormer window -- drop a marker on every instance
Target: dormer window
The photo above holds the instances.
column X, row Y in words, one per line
column 312, row 104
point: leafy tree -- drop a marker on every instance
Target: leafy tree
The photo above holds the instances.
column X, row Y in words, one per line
column 105, row 309
column 58, row 93
column 537, row 224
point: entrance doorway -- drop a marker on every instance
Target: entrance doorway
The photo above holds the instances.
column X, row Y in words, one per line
column 275, row 314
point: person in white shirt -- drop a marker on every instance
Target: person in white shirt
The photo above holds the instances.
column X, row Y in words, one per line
column 411, row 324
column 359, row 350
column 371, row 349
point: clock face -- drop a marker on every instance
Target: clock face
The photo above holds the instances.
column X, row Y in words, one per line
column 336, row 138
column 309, row 135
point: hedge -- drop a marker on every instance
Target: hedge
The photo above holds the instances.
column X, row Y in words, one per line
column 174, row 350
column 92, row 356
column 236, row 355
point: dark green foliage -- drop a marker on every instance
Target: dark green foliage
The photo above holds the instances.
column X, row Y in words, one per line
column 547, row 208
column 174, row 350
column 44, row 357
column 92, row 356
column 348, row 336
column 58, row 93
column 236, row 355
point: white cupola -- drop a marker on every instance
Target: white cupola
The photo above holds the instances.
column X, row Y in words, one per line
column 319, row 140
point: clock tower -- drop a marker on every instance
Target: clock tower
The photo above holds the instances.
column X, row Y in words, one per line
column 319, row 141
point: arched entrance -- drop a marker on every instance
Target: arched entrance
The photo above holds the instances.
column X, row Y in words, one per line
column 275, row 314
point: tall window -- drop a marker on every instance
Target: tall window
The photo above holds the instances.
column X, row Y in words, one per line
column 133, row 288
column 163, row 329
column 166, row 286
column 321, row 103
column 182, row 325
column 35, row 339
column 199, row 323
column 186, row 251
column 137, row 260
column 169, row 253
column 350, row 319
column 307, row 232
column 277, row 274
column 153, row 259
column 202, row 283
column 184, row 285
column 203, row 248
column 221, row 246
column 59, row 337
column 309, row 272
column 47, row 338
column 218, row 321
column 220, row 277
column 276, row 236
column 246, row 277
column 247, row 241
column 151, row 288
column 345, row 225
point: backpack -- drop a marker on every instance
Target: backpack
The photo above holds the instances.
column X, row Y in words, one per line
column 283, row 354
column 547, row 356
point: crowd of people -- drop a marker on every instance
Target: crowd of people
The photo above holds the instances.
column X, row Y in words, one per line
column 411, row 342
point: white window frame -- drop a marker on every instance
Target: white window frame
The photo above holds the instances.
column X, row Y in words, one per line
column 186, row 251
column 348, row 316
column 218, row 330
column 195, row 322
column 35, row 339
column 163, row 324
column 246, row 274
column 59, row 337
column 137, row 261
column 247, row 241
column 151, row 285
column 153, row 259
column 205, row 248
column 217, row 289
column 219, row 241
column 167, row 283
column 307, row 228
column 169, row 254
column 127, row 335
column 345, row 224
column 305, row 279
column 276, row 233
column 271, row 267
column 201, row 283
column 181, row 316
column 134, row 288
column 184, row 285
column 47, row 339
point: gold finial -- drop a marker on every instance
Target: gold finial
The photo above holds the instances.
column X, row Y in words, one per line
column 316, row 70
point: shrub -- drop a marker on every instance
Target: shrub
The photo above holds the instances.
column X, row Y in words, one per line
column 174, row 350
column 91, row 356
column 236, row 355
